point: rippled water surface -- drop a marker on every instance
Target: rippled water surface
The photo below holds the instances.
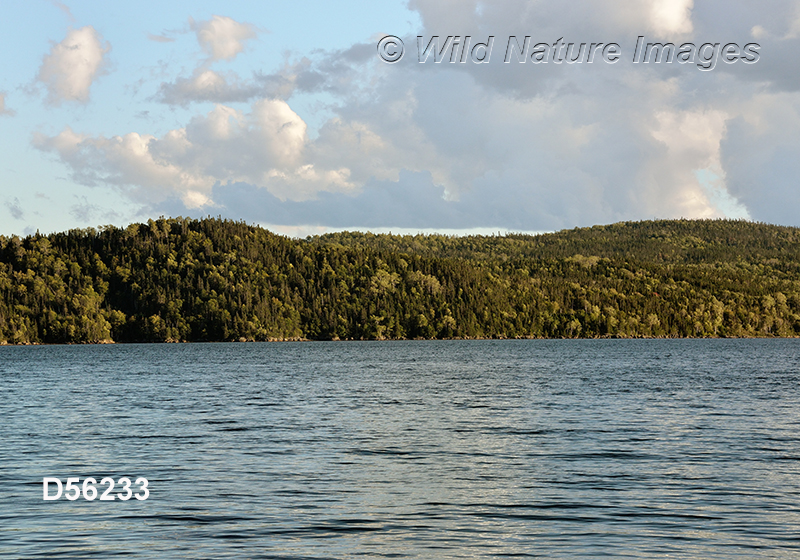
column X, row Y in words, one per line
column 457, row 449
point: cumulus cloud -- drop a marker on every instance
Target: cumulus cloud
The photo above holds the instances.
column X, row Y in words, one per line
column 3, row 109
column 72, row 65
column 339, row 73
column 518, row 146
column 758, row 156
column 222, row 37
column 265, row 147
column 691, row 142
column 411, row 201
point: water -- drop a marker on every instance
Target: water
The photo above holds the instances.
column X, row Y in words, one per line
column 458, row 449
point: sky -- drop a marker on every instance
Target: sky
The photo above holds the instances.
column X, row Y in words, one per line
column 285, row 115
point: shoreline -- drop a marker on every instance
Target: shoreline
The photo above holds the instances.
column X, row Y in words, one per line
column 299, row 339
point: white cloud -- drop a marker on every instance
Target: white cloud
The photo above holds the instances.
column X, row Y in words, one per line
column 265, row 147
column 671, row 17
column 692, row 144
column 72, row 65
column 758, row 32
column 758, row 155
column 516, row 146
column 203, row 85
column 126, row 162
column 222, row 37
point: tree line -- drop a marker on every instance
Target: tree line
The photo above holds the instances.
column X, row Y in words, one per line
column 218, row 280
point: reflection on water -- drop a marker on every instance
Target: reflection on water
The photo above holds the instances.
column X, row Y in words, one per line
column 459, row 449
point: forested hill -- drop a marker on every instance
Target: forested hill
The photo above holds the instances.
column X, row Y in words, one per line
column 181, row 279
column 663, row 241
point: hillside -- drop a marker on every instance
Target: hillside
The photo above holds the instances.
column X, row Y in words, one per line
column 181, row 279
column 662, row 241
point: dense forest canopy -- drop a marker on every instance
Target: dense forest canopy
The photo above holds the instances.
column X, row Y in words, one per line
column 213, row 280
column 667, row 241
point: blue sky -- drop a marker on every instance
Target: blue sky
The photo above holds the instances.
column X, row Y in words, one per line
column 283, row 115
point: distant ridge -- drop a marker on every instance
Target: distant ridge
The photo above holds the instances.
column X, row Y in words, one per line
column 674, row 241
column 218, row 280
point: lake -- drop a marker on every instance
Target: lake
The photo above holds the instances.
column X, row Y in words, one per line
column 417, row 449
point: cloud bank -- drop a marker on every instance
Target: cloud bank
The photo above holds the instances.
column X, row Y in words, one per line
column 517, row 146
column 265, row 147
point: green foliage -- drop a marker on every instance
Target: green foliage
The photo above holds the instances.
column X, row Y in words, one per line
column 181, row 279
